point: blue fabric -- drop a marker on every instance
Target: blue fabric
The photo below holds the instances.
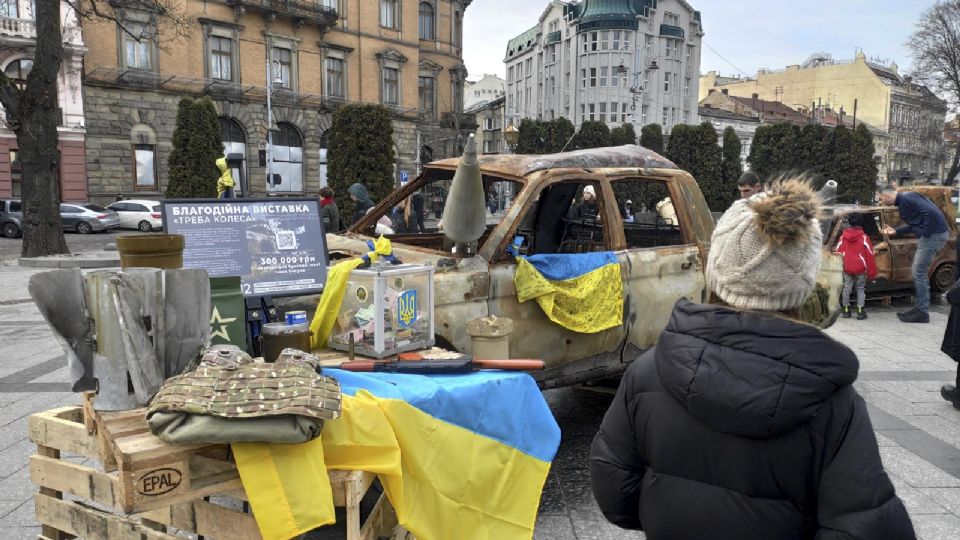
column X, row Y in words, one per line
column 927, row 249
column 505, row 406
column 569, row 266
column 923, row 218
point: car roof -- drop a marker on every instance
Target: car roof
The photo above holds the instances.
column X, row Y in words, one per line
column 146, row 202
column 626, row 156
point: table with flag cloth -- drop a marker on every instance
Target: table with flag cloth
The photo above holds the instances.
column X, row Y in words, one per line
column 459, row 456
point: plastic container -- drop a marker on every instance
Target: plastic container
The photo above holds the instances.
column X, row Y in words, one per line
column 388, row 309
column 151, row 251
column 275, row 337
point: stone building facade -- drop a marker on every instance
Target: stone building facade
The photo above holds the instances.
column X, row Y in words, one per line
column 18, row 34
column 490, row 120
column 403, row 54
column 615, row 61
column 487, row 88
column 872, row 91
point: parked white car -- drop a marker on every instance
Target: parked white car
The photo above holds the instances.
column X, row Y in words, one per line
column 138, row 214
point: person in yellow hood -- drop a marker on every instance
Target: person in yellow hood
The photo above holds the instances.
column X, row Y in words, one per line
column 225, row 183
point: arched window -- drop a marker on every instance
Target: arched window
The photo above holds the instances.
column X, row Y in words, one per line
column 18, row 70
column 427, row 26
column 144, row 141
column 235, row 142
column 287, row 160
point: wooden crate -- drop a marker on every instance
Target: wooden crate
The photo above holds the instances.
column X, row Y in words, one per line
column 157, row 483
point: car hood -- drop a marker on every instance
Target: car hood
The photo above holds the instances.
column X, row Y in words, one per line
column 354, row 245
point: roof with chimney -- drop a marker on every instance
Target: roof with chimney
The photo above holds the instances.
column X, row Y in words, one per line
column 772, row 111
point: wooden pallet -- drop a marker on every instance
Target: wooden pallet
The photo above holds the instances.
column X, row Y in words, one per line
column 143, row 484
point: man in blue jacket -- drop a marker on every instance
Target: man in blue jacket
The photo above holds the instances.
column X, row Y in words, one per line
column 924, row 220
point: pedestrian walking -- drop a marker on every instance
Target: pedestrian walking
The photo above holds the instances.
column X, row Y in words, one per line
column 749, row 185
column 361, row 200
column 859, row 265
column 742, row 422
column 924, row 220
column 951, row 345
column 329, row 211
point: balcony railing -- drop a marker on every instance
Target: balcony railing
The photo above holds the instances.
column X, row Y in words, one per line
column 307, row 10
column 467, row 121
column 24, row 28
column 552, row 37
column 671, row 31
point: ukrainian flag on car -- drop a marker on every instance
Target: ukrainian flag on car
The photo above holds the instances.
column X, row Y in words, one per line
column 582, row 292
column 459, row 456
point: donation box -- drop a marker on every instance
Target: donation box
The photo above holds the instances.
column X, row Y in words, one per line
column 388, row 309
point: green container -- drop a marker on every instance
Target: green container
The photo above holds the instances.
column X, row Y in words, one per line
column 151, row 251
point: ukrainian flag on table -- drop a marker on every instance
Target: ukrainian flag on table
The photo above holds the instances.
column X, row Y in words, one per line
column 582, row 292
column 462, row 457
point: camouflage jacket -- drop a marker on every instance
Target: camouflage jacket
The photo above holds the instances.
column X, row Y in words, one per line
column 228, row 384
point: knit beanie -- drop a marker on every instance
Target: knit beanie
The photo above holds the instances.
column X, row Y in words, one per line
column 765, row 252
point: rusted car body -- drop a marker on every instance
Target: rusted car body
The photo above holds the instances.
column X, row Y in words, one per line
column 661, row 260
column 895, row 254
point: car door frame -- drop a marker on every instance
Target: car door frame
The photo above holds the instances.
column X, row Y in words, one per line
column 570, row 356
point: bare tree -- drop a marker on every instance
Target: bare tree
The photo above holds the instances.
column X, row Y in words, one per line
column 32, row 113
column 935, row 45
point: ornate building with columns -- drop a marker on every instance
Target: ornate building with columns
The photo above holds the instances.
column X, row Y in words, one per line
column 404, row 54
column 18, row 34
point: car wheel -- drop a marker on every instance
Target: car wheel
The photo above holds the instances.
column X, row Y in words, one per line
column 84, row 228
column 943, row 277
column 10, row 230
column 145, row 226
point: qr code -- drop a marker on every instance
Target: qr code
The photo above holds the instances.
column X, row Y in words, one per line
column 286, row 240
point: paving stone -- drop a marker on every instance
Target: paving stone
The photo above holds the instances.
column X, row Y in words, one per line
column 589, row 526
column 882, row 440
column 914, row 470
column 22, row 516
column 8, row 506
column 937, row 527
column 916, row 501
column 21, row 533
column 14, row 457
column 551, row 527
column 948, row 498
column 17, row 486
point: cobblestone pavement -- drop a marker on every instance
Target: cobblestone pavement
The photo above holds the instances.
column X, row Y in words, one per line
column 10, row 247
column 901, row 372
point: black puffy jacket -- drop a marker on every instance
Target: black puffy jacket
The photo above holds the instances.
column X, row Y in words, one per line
column 740, row 426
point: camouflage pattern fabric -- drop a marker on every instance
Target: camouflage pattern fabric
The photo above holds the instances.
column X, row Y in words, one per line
column 228, row 384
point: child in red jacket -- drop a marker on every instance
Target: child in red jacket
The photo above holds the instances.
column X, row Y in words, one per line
column 858, row 264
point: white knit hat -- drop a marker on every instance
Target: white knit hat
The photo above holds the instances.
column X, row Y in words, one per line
column 765, row 252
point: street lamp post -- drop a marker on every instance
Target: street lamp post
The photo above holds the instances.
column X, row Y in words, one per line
column 272, row 77
column 512, row 135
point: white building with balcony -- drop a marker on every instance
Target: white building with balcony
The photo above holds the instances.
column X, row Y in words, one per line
column 614, row 61
column 17, row 46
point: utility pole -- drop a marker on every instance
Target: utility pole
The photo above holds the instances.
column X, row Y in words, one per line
column 269, row 82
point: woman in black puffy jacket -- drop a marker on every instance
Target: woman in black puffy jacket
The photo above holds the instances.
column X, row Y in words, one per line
column 951, row 344
column 742, row 422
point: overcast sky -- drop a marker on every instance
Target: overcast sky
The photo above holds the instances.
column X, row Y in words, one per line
column 748, row 33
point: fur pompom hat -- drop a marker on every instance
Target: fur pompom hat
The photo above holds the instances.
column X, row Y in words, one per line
column 765, row 252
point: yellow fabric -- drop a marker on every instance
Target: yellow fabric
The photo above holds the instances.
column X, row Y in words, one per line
column 443, row 480
column 329, row 307
column 226, row 177
column 298, row 468
column 587, row 304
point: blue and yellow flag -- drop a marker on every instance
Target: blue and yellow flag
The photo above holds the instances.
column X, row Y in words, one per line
column 461, row 457
column 582, row 292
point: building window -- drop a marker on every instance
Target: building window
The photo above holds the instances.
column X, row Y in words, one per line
column 592, row 112
column 234, row 142
column 649, row 45
column 391, row 86
column 689, row 53
column 221, row 58
column 604, row 40
column 625, row 46
column 603, row 112
column 670, row 48
column 666, row 117
column 427, row 26
column 427, row 95
column 18, row 70
column 388, row 14
column 671, row 18
column 593, row 77
column 9, row 9
column 616, row 40
column 666, row 82
column 287, row 160
column 676, row 82
column 136, row 38
column 331, row 4
column 336, row 86
column 686, row 87
column 603, row 76
column 593, row 41
column 283, row 67
column 16, row 174
column 145, row 167
column 613, row 112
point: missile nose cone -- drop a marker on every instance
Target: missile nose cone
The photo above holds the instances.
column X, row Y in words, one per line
column 470, row 151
